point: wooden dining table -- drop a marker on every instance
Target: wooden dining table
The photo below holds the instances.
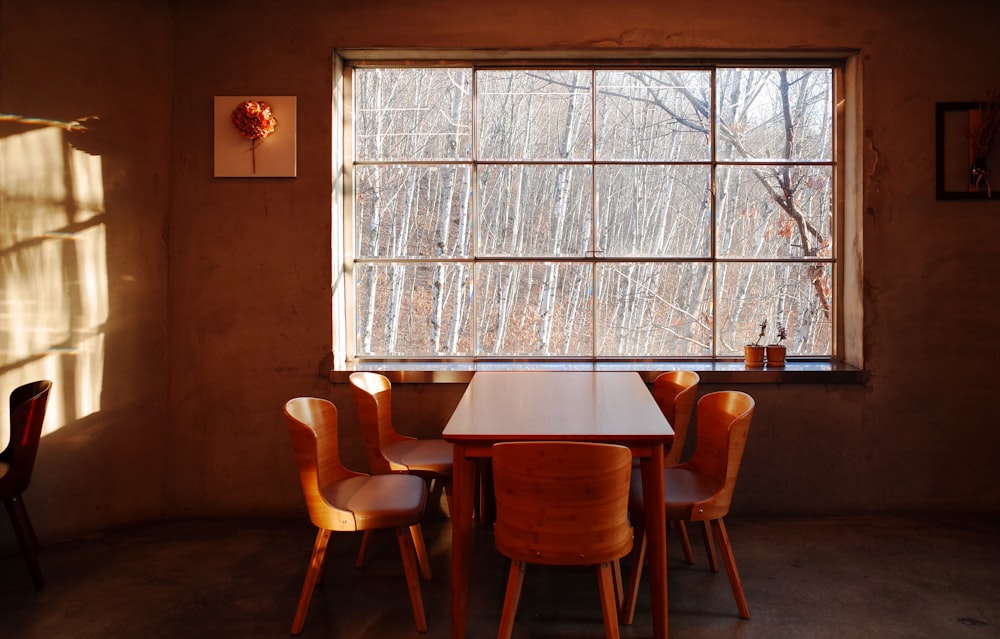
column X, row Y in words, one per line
column 589, row 406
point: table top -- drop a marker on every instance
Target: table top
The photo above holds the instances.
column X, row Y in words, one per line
column 554, row 405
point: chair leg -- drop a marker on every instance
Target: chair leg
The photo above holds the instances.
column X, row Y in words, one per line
column 446, row 489
column 627, row 612
column 685, row 542
column 485, row 501
column 434, row 489
column 616, row 573
column 26, row 538
column 417, row 533
column 722, row 538
column 605, row 582
column 412, row 580
column 706, row 532
column 312, row 575
column 366, row 539
column 512, row 596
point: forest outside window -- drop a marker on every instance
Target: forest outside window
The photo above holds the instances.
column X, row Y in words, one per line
column 572, row 212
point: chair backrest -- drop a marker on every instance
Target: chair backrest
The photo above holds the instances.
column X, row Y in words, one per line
column 674, row 392
column 312, row 426
column 27, row 412
column 373, row 399
column 562, row 503
column 723, row 424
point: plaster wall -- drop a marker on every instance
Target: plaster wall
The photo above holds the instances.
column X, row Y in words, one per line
column 229, row 312
column 83, row 263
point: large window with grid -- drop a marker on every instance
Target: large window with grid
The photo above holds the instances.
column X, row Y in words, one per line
column 595, row 212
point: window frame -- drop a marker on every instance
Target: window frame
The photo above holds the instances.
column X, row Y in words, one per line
column 846, row 161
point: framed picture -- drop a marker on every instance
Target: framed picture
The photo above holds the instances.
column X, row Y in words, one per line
column 964, row 154
column 255, row 136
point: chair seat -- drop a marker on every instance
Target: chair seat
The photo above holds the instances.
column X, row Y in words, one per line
column 380, row 501
column 682, row 488
column 425, row 457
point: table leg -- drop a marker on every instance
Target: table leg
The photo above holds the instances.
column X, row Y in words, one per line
column 462, row 482
column 656, row 534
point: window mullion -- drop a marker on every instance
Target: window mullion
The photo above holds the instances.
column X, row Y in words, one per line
column 474, row 248
column 594, row 204
column 713, row 207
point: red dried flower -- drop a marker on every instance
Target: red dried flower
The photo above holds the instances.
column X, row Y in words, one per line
column 253, row 120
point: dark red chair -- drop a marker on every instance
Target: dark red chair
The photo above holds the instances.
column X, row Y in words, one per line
column 27, row 412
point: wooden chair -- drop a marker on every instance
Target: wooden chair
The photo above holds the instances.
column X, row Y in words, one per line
column 674, row 392
column 339, row 499
column 17, row 461
column 701, row 489
column 389, row 451
column 561, row 503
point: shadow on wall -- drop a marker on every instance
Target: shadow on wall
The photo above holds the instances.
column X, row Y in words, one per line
column 53, row 267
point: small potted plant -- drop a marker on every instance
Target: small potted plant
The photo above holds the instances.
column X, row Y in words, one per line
column 776, row 351
column 753, row 354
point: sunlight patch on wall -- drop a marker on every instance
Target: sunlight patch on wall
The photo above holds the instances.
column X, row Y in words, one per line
column 53, row 273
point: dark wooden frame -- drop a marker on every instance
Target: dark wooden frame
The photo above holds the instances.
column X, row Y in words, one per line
column 948, row 148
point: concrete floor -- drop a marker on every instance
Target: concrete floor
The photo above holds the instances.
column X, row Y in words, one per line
column 844, row 578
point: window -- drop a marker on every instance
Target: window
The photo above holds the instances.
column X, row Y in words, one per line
column 594, row 212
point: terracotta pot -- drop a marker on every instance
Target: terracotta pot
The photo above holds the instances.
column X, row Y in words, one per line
column 753, row 356
column 776, row 355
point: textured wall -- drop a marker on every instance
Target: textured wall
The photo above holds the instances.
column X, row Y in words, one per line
column 219, row 288
column 97, row 207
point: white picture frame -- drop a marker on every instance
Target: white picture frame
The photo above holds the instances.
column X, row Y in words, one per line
column 272, row 156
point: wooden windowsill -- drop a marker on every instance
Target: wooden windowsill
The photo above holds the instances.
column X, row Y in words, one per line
column 718, row 372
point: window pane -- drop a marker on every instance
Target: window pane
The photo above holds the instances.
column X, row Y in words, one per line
column 775, row 211
column 413, row 114
column 775, row 114
column 797, row 295
column 654, row 310
column 534, row 115
column 530, row 210
column 654, row 210
column 586, row 212
column 653, row 115
column 413, row 309
column 534, row 309
column 412, row 211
